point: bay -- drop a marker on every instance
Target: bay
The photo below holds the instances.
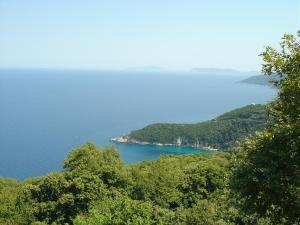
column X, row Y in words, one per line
column 46, row 113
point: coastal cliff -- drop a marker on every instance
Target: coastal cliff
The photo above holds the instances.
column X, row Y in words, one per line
column 125, row 139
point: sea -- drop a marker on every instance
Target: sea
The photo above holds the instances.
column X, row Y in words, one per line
column 44, row 113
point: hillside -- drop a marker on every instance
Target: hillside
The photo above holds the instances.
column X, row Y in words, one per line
column 260, row 80
column 219, row 133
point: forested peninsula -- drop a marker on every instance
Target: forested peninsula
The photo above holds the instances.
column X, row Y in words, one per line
column 220, row 133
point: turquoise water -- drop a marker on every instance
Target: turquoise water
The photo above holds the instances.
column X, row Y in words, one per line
column 46, row 113
column 135, row 152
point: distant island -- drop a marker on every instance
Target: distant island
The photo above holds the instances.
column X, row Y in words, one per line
column 223, row 71
column 261, row 80
column 197, row 70
column 220, row 133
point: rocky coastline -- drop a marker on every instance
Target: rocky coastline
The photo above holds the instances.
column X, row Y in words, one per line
column 125, row 139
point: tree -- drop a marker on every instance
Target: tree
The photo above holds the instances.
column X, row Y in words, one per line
column 13, row 210
column 267, row 175
column 90, row 174
column 119, row 211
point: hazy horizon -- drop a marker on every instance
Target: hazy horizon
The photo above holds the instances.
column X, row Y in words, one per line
column 116, row 35
column 146, row 68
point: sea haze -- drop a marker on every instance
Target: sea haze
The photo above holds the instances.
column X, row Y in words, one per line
column 46, row 113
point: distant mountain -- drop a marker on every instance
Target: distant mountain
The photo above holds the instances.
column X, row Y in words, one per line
column 260, row 79
column 221, row 71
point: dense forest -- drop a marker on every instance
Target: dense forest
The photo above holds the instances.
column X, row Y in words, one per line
column 221, row 133
column 257, row 182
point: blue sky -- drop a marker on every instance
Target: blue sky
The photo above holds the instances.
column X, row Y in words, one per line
column 116, row 34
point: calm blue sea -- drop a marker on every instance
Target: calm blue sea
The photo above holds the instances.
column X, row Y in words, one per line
column 46, row 113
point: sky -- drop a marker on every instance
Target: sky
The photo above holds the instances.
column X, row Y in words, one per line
column 117, row 34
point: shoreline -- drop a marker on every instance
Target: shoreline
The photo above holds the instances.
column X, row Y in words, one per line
column 126, row 140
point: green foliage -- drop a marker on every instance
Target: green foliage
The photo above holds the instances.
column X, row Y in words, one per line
column 267, row 173
column 201, row 213
column 222, row 132
column 171, row 190
column 118, row 212
column 168, row 181
column 57, row 198
column 90, row 174
column 13, row 211
column 88, row 159
column 201, row 180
